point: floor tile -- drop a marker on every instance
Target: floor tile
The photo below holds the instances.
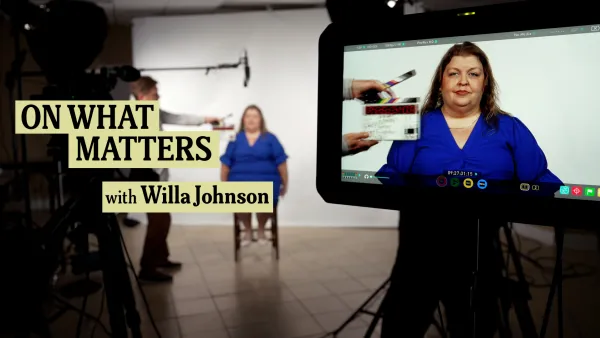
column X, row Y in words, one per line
column 323, row 276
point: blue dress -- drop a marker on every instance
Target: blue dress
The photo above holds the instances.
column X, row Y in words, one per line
column 506, row 151
column 256, row 163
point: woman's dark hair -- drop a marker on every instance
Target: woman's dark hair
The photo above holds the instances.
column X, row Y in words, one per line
column 263, row 126
column 489, row 100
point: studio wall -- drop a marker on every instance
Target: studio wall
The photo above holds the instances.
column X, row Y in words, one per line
column 283, row 55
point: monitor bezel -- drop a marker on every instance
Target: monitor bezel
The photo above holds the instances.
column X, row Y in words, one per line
column 519, row 16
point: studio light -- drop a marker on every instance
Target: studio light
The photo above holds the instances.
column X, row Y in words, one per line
column 392, row 3
column 64, row 37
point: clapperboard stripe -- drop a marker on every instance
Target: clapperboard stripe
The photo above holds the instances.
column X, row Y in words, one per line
column 398, row 100
column 401, row 78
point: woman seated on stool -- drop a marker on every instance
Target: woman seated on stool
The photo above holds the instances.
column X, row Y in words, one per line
column 255, row 155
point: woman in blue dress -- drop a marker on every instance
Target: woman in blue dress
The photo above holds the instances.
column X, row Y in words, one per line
column 462, row 129
column 255, row 155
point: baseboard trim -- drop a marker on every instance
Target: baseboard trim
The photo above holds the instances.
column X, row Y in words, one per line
column 544, row 235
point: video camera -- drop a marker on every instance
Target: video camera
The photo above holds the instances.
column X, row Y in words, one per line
column 64, row 38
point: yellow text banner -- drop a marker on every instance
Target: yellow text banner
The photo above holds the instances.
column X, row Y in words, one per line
column 164, row 149
column 66, row 117
column 187, row 197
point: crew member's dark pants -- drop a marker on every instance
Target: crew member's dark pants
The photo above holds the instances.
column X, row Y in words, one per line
column 436, row 258
column 156, row 250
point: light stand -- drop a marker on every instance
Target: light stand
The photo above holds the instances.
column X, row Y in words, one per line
column 9, row 83
column 59, row 174
column 12, row 78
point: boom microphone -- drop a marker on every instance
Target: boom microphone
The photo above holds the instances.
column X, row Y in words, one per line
column 246, row 68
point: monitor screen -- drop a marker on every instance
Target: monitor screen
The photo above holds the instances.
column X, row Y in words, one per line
column 503, row 113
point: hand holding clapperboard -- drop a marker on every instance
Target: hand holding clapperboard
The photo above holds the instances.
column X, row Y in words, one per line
column 391, row 119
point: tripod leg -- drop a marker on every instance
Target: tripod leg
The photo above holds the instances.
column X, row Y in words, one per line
column 474, row 286
column 504, row 291
column 559, row 234
column 109, row 255
column 131, row 313
column 520, row 290
column 376, row 319
column 85, row 251
column 361, row 309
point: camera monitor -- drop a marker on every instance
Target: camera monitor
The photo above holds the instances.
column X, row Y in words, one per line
column 492, row 111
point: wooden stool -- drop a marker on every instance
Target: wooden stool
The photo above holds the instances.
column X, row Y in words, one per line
column 238, row 231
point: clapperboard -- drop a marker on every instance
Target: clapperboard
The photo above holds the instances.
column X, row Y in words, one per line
column 392, row 119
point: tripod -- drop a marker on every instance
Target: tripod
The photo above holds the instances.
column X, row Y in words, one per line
column 517, row 292
column 513, row 292
column 363, row 309
column 86, row 210
column 381, row 290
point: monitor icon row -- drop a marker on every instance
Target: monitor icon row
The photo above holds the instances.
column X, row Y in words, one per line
column 580, row 191
column 529, row 187
column 455, row 182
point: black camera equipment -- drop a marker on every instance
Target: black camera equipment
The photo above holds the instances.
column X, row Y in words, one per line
column 64, row 38
column 511, row 294
column 352, row 35
column 85, row 211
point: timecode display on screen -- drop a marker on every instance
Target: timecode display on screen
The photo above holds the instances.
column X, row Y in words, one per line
column 462, row 173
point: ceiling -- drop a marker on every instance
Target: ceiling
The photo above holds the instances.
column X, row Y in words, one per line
column 122, row 11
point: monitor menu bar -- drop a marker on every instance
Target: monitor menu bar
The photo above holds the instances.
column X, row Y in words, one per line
column 474, row 181
column 476, row 38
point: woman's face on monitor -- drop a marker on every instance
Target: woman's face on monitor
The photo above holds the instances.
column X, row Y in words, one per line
column 463, row 82
column 252, row 120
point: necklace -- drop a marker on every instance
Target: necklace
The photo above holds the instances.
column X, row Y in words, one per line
column 468, row 126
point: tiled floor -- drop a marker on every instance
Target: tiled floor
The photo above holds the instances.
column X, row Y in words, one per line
column 322, row 276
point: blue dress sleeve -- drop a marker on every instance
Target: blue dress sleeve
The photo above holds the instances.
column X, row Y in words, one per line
column 530, row 162
column 399, row 161
column 227, row 157
column 279, row 154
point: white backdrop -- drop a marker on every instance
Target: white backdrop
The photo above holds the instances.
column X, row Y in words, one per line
column 283, row 54
column 549, row 83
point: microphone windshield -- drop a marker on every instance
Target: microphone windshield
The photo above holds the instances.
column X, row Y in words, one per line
column 128, row 73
